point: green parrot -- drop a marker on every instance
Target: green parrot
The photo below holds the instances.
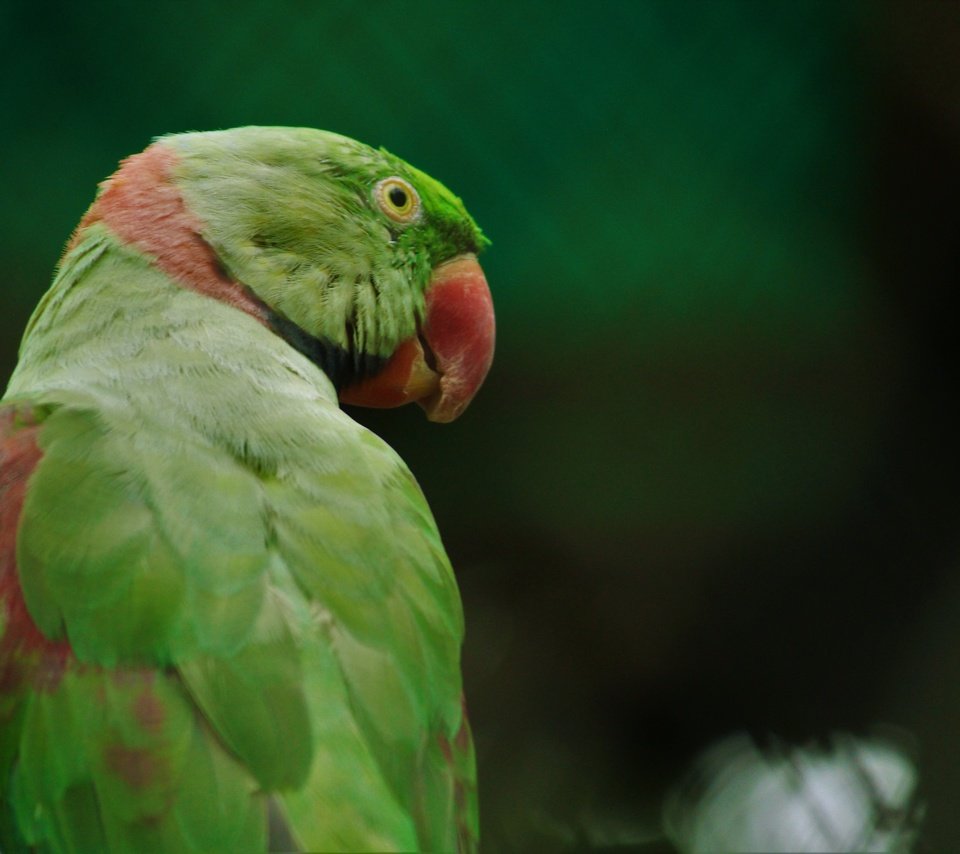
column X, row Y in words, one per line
column 227, row 621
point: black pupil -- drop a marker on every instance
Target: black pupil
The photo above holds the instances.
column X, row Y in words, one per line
column 398, row 196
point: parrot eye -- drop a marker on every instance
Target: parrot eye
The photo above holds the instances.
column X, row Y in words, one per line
column 397, row 199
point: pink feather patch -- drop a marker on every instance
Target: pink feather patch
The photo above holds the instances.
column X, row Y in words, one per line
column 143, row 206
column 25, row 653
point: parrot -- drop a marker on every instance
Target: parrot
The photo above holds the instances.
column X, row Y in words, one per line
column 227, row 618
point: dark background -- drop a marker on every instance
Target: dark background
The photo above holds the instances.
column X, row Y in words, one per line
column 711, row 483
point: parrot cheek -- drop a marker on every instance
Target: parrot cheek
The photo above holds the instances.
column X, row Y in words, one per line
column 443, row 366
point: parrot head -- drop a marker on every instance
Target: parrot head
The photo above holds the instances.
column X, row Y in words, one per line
column 358, row 260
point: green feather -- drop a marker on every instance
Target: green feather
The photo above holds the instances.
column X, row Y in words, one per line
column 258, row 601
column 308, row 245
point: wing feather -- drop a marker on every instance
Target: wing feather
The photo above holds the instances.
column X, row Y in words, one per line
column 236, row 630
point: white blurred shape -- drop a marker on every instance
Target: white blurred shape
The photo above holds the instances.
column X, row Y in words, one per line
column 856, row 795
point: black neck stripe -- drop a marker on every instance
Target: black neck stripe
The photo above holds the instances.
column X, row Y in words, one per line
column 344, row 367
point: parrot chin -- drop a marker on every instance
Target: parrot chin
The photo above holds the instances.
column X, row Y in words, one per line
column 442, row 367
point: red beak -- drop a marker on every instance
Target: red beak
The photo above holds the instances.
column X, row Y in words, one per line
column 443, row 367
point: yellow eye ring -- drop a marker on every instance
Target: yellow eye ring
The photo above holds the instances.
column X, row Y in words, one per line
column 397, row 199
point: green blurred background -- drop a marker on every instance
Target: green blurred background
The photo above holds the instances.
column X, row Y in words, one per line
column 710, row 484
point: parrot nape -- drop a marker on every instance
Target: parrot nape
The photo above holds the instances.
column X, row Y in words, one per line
column 227, row 621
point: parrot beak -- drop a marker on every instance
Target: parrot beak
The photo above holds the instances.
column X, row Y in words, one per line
column 443, row 366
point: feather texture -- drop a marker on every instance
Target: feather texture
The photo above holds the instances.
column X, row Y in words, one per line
column 221, row 596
